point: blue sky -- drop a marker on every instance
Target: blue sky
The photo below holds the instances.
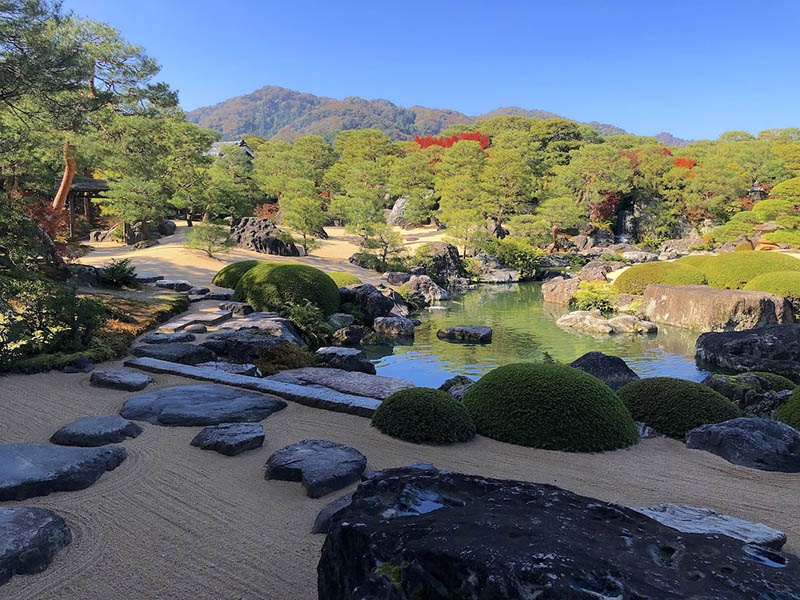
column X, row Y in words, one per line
column 695, row 69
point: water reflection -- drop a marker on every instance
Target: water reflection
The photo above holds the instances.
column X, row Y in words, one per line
column 524, row 329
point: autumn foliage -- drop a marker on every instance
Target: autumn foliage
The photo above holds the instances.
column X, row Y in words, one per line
column 446, row 142
column 686, row 163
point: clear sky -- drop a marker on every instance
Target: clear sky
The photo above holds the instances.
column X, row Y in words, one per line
column 695, row 69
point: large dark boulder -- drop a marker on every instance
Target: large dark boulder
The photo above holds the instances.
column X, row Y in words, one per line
column 756, row 443
column 166, row 227
column 445, row 263
column 775, row 349
column 414, row 534
column 350, row 335
column 96, row 431
column 230, row 439
column 29, row 539
column 261, row 235
column 611, row 370
column 347, row 359
column 242, row 346
column 193, row 405
column 368, row 299
column 177, row 352
column 28, row 470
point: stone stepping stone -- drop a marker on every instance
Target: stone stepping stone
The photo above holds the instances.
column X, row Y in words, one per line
column 80, row 365
column 220, row 296
column 249, row 370
column 241, row 309
column 322, row 466
column 185, row 354
column 121, row 379
column 96, row 431
column 200, row 405
column 691, row 519
column 347, row 382
column 198, row 291
column 179, row 285
column 471, row 334
column 196, row 328
column 28, row 470
column 157, row 337
column 269, row 323
column 230, row 439
column 213, row 317
column 148, row 278
column 29, row 539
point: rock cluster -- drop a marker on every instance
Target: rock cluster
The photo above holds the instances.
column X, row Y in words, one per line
column 775, row 348
column 593, row 322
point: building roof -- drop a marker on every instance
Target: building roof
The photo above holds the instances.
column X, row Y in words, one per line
column 216, row 148
column 85, row 184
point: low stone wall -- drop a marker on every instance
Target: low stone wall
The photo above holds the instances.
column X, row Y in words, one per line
column 708, row 309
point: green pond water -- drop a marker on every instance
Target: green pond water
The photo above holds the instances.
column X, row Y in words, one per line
column 524, row 328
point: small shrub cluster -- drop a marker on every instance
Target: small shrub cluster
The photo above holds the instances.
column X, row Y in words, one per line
column 789, row 413
column 424, row 415
column 343, row 279
column 271, row 286
column 281, row 357
column 518, row 254
column 310, row 322
column 595, row 295
column 119, row 273
column 550, row 406
column 368, row 260
column 635, row 279
column 673, row 407
column 229, row 276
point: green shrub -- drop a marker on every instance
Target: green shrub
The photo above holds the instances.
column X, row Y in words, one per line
column 549, row 406
column 119, row 273
column 789, row 413
column 734, row 270
column 270, row 286
column 518, row 254
column 424, row 415
column 790, row 237
column 782, row 283
column 343, row 279
column 210, row 238
column 595, row 295
column 282, row 357
column 635, row 279
column 310, row 321
column 229, row 276
column 673, row 407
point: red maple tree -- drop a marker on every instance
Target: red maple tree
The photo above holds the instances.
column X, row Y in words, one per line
column 446, row 142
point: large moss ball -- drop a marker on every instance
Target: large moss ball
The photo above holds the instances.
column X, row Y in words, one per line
column 781, row 283
column 424, row 415
column 673, row 407
column 789, row 413
column 635, row 279
column 269, row 286
column 343, row 279
column 228, row 277
column 549, row 406
column 735, row 270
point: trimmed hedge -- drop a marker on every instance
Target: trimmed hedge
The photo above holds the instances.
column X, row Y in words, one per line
column 270, row 286
column 733, row 271
column 229, row 276
column 549, row 406
column 673, row 407
column 343, row 279
column 789, row 413
column 782, row 283
column 635, row 279
column 424, row 415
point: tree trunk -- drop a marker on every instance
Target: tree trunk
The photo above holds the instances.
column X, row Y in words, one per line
column 189, row 217
column 66, row 180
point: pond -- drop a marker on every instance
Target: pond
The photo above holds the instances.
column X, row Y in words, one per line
column 524, row 329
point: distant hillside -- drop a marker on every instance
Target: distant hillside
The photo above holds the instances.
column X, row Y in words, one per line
column 275, row 112
column 670, row 140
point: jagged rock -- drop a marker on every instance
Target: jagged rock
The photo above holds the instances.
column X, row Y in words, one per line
column 230, row 439
column 368, row 299
column 756, row 443
column 393, row 327
column 166, row 227
column 628, row 302
column 395, row 278
column 775, row 349
column 242, row 346
column 340, row 320
column 233, row 368
column 631, row 324
column 121, row 379
column 166, row 338
column 397, row 216
column 669, row 255
column 708, row 309
column 473, row 334
column 261, row 235
column 691, row 519
column 596, row 270
column 323, row 520
column 611, row 370
column 85, row 275
column 559, row 290
column 265, row 324
column 193, row 405
column 221, row 295
column 415, row 534
column 428, row 289
column 753, row 393
column 457, row 386
column 638, row 256
column 322, row 466
column 685, row 244
column 493, row 271
column 186, row 354
column 237, row 308
column 179, row 285
column 79, row 365
column 28, row 470
column 555, row 260
column 346, row 382
column 96, row 431
column 29, row 539
column 444, row 263
column 347, row 359
column 350, row 335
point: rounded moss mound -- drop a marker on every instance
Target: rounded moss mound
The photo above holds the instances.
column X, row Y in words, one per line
column 789, row 413
column 228, row 277
column 744, row 247
column 673, row 407
column 343, row 279
column 269, row 286
column 782, row 283
column 698, row 261
column 549, row 406
column 635, row 279
column 424, row 415
column 735, row 270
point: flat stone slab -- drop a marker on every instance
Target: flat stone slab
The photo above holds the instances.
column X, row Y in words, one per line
column 193, row 405
column 235, row 368
column 187, row 354
column 199, row 291
column 218, row 295
column 96, row 431
column 324, row 398
column 237, row 308
column 179, row 285
column 148, row 278
column 473, row 334
column 28, row 470
column 347, row 382
column 691, row 519
column 121, row 379
column 322, row 466
column 230, row 439
column 196, row 328
column 157, row 337
column 213, row 317
column 29, row 539
column 756, row 443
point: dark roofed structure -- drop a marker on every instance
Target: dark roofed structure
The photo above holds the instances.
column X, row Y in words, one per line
column 86, row 185
column 79, row 198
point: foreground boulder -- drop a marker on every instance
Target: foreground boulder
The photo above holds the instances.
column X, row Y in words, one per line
column 192, row 405
column 29, row 539
column 322, row 466
column 28, row 470
column 756, row 443
column 347, row 359
column 243, row 346
column 96, row 431
column 611, row 370
column 708, row 309
column 473, row 334
column 230, row 439
column 121, row 379
column 185, row 354
column 775, row 349
column 261, row 235
column 413, row 534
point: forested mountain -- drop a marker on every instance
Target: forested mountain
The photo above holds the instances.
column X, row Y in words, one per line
column 276, row 112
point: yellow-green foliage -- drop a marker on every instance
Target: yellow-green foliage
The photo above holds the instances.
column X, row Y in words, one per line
column 229, row 276
column 782, row 283
column 744, row 247
column 595, row 295
column 789, row 413
column 343, row 279
column 735, row 270
column 271, row 286
column 635, row 279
